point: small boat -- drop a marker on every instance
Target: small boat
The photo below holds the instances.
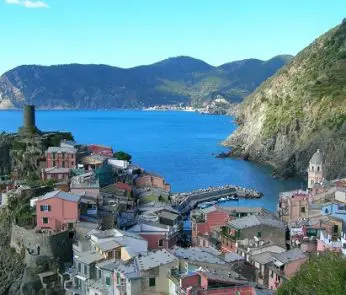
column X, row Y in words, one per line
column 233, row 198
column 221, row 200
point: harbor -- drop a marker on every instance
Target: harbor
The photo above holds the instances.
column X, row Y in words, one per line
column 203, row 198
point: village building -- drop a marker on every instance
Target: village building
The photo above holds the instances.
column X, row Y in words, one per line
column 284, row 267
column 102, row 150
column 203, row 221
column 57, row 211
column 57, row 174
column 158, row 235
column 61, row 157
column 92, row 162
column 248, row 230
column 150, row 179
column 86, row 183
column 205, row 283
column 120, row 193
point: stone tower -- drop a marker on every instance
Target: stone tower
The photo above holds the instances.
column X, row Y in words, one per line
column 29, row 117
column 315, row 171
column 29, row 126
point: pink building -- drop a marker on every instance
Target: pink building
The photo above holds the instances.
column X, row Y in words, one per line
column 159, row 236
column 293, row 205
column 57, row 211
column 153, row 180
column 61, row 157
column 203, row 224
column 54, row 173
column 284, row 266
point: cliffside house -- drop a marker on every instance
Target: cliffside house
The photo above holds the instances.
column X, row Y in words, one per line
column 102, row 150
column 54, row 173
column 86, row 183
column 247, row 230
column 284, row 266
column 149, row 179
column 121, row 193
column 61, row 157
column 92, row 162
column 57, row 211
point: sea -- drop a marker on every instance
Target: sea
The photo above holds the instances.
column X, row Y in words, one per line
column 181, row 146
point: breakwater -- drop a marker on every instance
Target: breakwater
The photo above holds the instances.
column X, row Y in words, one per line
column 184, row 202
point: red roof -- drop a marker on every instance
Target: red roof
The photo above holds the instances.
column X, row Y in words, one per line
column 123, row 186
column 101, row 150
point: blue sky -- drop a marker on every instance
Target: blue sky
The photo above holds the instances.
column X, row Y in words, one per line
column 127, row 33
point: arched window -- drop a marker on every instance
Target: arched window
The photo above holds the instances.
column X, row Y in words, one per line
column 312, row 167
column 318, row 168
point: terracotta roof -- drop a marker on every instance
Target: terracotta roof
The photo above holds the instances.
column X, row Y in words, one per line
column 101, row 150
column 123, row 186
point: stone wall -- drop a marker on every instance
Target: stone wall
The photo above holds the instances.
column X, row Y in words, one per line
column 37, row 245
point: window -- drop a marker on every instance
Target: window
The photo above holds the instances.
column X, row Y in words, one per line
column 318, row 168
column 45, row 208
column 259, row 234
column 79, row 267
column 63, row 164
column 118, row 278
column 302, row 210
column 63, row 155
column 160, row 243
column 108, row 281
column 85, row 269
column 335, row 228
column 54, row 156
column 152, row 282
column 44, row 220
column 99, row 273
column 72, row 163
column 312, row 168
column 54, row 163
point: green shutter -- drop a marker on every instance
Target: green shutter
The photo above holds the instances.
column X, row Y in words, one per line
column 108, row 281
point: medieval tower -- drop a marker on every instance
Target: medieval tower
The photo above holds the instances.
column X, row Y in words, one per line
column 29, row 125
column 315, row 170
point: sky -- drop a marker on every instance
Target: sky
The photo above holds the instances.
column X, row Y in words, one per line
column 128, row 33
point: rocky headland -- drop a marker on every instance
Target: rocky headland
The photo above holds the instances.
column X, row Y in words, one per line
column 298, row 110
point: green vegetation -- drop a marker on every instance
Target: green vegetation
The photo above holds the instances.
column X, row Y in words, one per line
column 122, row 156
column 178, row 80
column 321, row 275
column 316, row 91
column 152, row 198
column 55, row 139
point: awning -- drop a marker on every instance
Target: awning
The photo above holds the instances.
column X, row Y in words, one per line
column 278, row 263
column 80, row 277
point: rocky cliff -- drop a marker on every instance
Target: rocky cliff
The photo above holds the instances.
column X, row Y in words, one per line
column 301, row 108
column 180, row 80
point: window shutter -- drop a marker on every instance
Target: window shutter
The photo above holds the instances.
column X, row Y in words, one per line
column 41, row 208
column 49, row 208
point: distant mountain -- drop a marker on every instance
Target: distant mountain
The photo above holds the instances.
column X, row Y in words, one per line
column 298, row 110
column 175, row 80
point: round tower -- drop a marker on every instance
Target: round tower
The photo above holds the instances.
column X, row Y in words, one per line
column 315, row 171
column 29, row 117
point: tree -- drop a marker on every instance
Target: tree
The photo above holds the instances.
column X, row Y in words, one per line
column 122, row 156
column 321, row 275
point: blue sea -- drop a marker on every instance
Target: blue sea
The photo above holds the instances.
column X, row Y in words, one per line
column 181, row 146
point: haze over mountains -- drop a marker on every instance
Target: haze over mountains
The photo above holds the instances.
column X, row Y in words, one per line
column 175, row 80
